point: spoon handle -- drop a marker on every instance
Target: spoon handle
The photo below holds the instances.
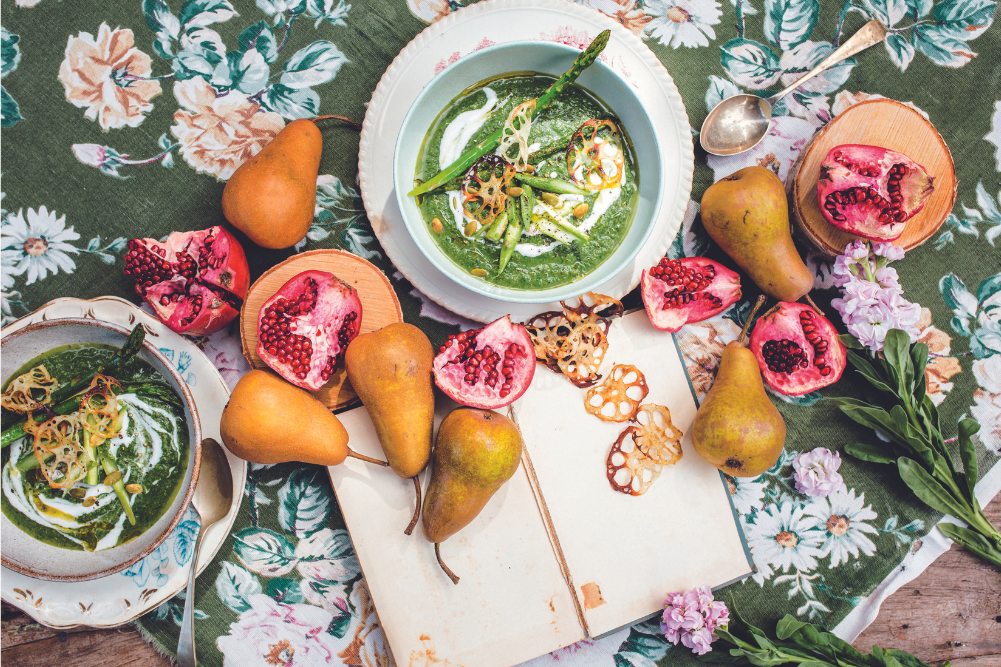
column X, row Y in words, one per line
column 186, row 641
column 871, row 33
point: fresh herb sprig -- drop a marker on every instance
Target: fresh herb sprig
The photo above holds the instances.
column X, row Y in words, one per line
column 916, row 444
column 800, row 643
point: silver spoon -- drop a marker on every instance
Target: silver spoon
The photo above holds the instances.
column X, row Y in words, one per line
column 738, row 123
column 212, row 500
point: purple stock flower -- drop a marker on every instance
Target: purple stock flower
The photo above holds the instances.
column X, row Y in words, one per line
column 816, row 472
column 691, row 617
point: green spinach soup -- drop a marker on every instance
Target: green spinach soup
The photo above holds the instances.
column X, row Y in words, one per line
column 552, row 202
column 98, row 468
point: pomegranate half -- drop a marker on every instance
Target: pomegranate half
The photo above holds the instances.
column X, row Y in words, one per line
column 798, row 349
column 678, row 291
column 871, row 191
column 194, row 281
column 304, row 329
column 486, row 368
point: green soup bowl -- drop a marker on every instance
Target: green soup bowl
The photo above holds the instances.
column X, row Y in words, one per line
column 549, row 58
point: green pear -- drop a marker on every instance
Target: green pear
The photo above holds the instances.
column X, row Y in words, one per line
column 747, row 214
column 476, row 451
column 737, row 428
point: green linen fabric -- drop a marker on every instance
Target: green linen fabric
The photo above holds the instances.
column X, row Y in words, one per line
column 124, row 119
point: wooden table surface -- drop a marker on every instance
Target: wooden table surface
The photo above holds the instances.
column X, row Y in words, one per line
column 951, row 612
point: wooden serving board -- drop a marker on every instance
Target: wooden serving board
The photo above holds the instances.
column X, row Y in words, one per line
column 889, row 124
column 379, row 307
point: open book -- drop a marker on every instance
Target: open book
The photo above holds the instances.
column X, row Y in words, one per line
column 557, row 555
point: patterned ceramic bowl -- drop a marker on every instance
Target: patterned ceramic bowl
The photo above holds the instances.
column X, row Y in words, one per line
column 547, row 58
column 25, row 554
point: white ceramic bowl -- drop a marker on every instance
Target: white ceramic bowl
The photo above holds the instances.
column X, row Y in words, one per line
column 546, row 58
column 23, row 553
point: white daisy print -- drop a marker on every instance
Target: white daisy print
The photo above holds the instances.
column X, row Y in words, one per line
column 682, row 22
column 747, row 494
column 842, row 517
column 783, row 535
column 38, row 245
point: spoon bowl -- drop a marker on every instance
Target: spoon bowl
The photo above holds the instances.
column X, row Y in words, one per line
column 736, row 124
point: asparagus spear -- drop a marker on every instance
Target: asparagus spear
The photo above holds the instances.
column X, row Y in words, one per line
column 498, row 226
column 511, row 236
column 466, row 160
column 556, row 185
column 61, row 397
column 108, row 463
column 527, row 201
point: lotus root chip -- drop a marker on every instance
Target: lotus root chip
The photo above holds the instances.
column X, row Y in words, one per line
column 63, row 459
column 656, row 436
column 592, row 305
column 29, row 391
column 548, row 331
column 99, row 414
column 582, row 352
column 629, row 470
column 484, row 188
column 514, row 136
column 619, row 395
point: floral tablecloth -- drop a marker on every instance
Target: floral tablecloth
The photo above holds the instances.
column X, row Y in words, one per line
column 124, row 119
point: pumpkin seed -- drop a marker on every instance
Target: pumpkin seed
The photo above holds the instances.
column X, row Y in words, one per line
column 470, row 228
column 133, row 488
column 479, row 273
column 77, row 492
column 112, row 478
column 580, row 210
column 436, row 226
column 87, row 502
column 530, row 168
column 514, row 191
column 550, row 198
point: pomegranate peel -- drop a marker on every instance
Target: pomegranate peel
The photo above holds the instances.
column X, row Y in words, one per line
column 798, row 349
column 617, row 398
column 304, row 330
column 691, row 289
column 194, row 281
column 871, row 191
column 486, row 368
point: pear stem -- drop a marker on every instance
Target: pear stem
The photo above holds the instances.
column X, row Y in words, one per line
column 437, row 554
column 343, row 119
column 367, row 459
column 812, row 304
column 750, row 318
column 417, row 510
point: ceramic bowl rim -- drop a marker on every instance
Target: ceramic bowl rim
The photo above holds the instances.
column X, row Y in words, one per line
column 590, row 281
column 194, row 451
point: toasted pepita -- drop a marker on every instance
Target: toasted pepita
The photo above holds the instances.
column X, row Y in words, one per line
column 514, row 191
column 112, row 478
column 87, row 502
column 550, row 198
column 479, row 273
column 77, row 492
column 580, row 210
column 133, row 488
column 471, row 228
column 436, row 226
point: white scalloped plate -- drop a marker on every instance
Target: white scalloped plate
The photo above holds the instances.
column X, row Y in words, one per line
column 124, row 596
column 484, row 24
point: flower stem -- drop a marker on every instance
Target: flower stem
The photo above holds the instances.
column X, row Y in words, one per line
column 343, row 119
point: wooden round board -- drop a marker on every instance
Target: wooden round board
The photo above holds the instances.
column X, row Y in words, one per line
column 379, row 307
column 885, row 123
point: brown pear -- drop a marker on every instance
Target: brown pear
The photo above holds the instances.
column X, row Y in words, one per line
column 475, row 453
column 737, row 428
column 390, row 370
column 268, row 420
column 747, row 214
column 271, row 197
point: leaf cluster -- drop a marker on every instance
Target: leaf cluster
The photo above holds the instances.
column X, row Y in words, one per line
column 916, row 445
column 802, row 643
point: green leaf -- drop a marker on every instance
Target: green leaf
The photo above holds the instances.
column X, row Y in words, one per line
column 312, row 65
column 160, row 20
column 871, row 453
column 868, row 371
column 200, row 13
column 896, row 350
column 264, row 551
column 963, row 304
column 919, row 358
column 989, row 287
column 968, row 453
column 972, row 541
column 327, row 556
column 234, row 585
column 305, row 502
column 10, row 112
column 645, row 645
column 851, row 342
column 789, row 23
column 928, row 489
column 261, row 38
column 10, row 52
column 906, row 659
column 900, row 49
column 285, row 590
column 967, row 19
column 750, row 64
column 291, row 103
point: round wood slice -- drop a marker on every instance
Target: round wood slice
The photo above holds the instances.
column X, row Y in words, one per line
column 379, row 307
column 889, row 124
